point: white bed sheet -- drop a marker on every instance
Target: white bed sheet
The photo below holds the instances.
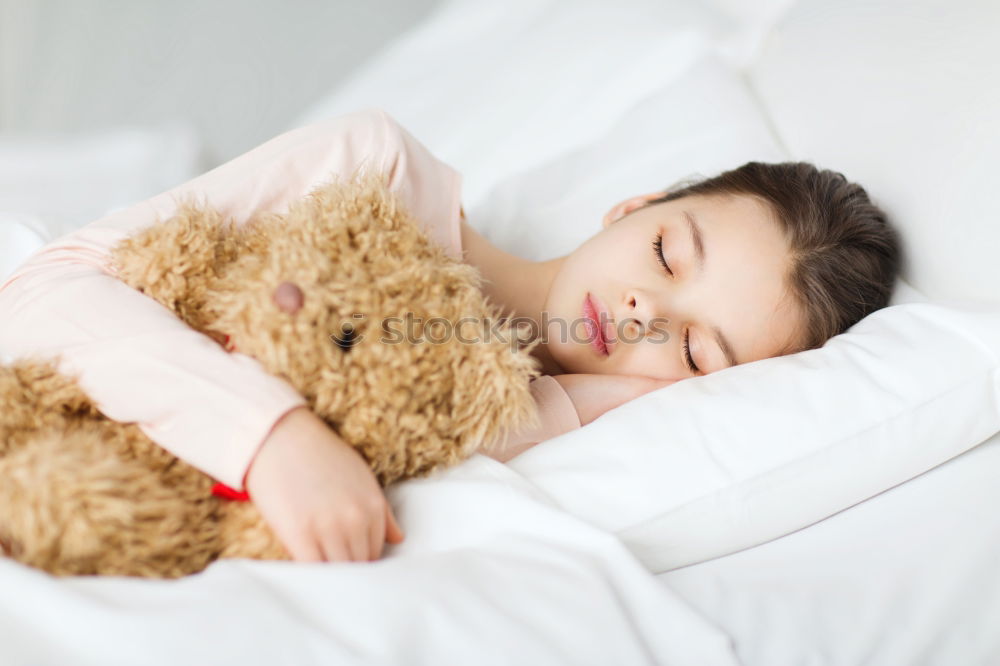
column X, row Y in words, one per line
column 907, row 577
column 489, row 574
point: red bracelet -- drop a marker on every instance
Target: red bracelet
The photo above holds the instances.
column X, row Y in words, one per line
column 225, row 492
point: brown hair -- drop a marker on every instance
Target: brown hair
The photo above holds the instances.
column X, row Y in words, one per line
column 844, row 254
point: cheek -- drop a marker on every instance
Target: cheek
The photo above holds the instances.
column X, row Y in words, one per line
column 647, row 359
column 567, row 285
column 597, row 260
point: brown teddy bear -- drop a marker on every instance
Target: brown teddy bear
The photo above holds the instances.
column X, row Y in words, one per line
column 346, row 298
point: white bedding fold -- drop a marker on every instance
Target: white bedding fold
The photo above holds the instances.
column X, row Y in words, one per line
column 490, row 573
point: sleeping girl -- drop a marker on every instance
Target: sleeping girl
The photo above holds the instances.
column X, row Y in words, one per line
column 763, row 260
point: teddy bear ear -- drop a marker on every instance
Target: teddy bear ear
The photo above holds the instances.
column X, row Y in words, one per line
column 288, row 297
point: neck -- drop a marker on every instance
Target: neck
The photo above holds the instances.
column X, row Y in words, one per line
column 519, row 286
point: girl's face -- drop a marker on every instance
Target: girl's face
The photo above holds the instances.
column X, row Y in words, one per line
column 720, row 300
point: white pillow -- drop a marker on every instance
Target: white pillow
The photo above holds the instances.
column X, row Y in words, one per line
column 715, row 464
column 719, row 463
column 63, row 181
column 703, row 122
column 497, row 87
column 20, row 236
column 905, row 94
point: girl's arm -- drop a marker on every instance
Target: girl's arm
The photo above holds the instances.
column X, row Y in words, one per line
column 143, row 365
column 136, row 359
column 593, row 395
column 557, row 415
column 567, row 402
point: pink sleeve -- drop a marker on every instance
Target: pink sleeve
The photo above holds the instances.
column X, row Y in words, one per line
column 555, row 407
column 142, row 364
column 557, row 415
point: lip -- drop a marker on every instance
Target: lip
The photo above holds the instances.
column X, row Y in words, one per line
column 595, row 312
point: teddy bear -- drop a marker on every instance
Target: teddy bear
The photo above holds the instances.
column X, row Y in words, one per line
column 390, row 341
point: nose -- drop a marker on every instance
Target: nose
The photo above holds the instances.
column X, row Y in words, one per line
column 288, row 297
column 643, row 316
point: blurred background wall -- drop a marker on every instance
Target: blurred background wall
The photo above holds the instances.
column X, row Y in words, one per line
column 236, row 72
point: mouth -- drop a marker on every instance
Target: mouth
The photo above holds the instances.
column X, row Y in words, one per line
column 594, row 314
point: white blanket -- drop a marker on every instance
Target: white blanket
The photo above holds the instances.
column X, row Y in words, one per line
column 489, row 573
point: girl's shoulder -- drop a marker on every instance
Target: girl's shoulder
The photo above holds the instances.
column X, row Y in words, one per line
column 429, row 188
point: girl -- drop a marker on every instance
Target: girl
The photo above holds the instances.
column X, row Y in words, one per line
column 760, row 261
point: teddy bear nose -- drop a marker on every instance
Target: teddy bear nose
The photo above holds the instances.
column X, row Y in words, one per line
column 288, row 297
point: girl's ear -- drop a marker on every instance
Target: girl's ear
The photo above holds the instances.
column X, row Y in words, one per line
column 622, row 209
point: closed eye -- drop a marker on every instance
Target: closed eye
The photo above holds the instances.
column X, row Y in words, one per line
column 687, row 354
column 658, row 253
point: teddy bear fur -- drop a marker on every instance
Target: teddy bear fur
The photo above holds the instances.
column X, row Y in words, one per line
column 82, row 494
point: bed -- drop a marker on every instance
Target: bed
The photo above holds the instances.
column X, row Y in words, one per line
column 841, row 512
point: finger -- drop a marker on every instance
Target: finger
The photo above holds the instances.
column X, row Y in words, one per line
column 303, row 550
column 335, row 550
column 394, row 533
column 653, row 383
column 376, row 539
column 658, row 384
column 357, row 545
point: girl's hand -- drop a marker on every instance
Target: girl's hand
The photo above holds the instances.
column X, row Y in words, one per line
column 318, row 494
column 592, row 395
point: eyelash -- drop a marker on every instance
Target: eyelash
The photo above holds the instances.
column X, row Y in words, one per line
column 658, row 253
column 687, row 355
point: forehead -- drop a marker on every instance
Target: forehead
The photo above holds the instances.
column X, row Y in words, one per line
column 738, row 210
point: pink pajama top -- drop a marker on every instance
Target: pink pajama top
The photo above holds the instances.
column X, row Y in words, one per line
column 143, row 365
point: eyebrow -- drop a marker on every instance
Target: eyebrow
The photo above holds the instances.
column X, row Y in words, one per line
column 699, row 251
column 696, row 238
